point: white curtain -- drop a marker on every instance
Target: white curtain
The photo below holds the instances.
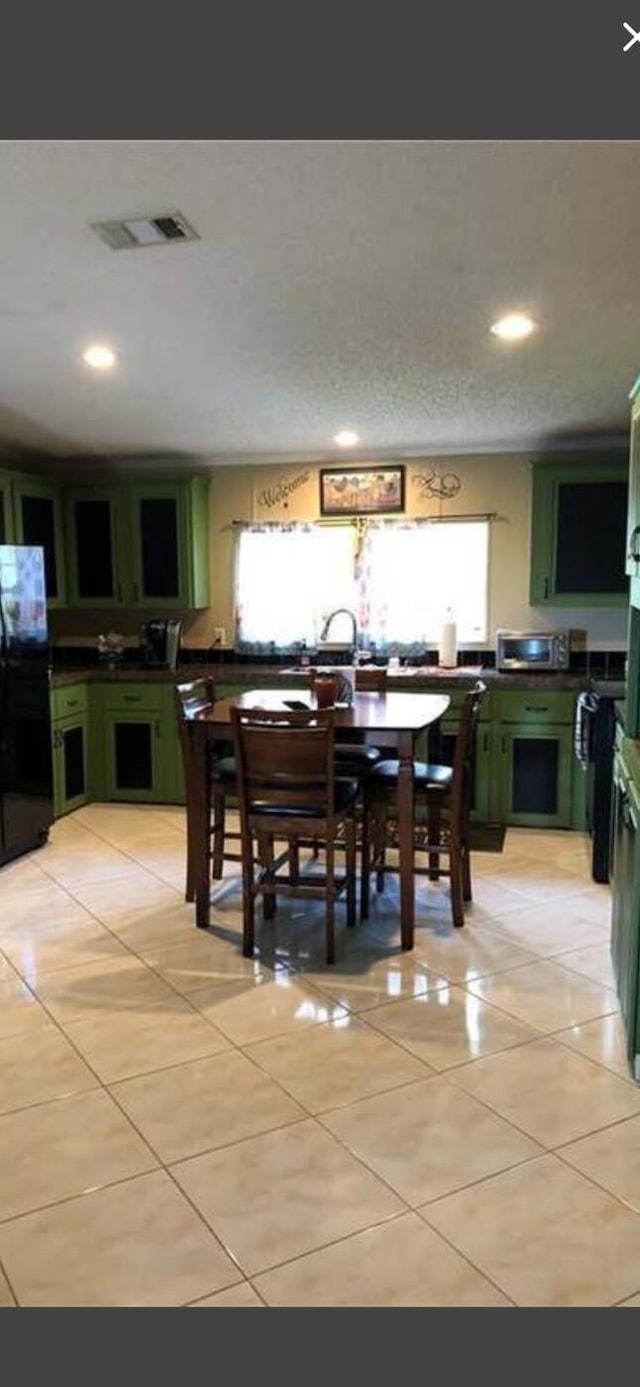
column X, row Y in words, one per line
column 413, row 575
column 288, row 579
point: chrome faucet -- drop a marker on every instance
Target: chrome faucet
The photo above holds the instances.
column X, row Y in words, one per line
column 347, row 612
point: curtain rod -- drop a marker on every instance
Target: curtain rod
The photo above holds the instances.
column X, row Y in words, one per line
column 372, row 520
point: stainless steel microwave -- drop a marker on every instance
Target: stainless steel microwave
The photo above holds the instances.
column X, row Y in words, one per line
column 532, row 650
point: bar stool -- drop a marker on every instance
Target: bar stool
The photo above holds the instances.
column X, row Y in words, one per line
column 192, row 698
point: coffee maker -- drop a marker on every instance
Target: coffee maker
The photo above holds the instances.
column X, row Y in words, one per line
column 160, row 642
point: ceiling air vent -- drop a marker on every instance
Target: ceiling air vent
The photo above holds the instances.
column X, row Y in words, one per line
column 136, row 233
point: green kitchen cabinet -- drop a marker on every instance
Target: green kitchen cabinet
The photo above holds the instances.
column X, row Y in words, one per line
column 38, row 519
column 139, row 753
column 533, row 736
column 138, row 544
column 7, row 530
column 633, row 513
column 168, row 543
column 579, row 533
column 70, row 764
column 625, row 915
column 133, row 759
column 97, row 571
column 70, row 747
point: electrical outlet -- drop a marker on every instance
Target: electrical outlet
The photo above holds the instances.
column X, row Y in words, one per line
column 219, row 635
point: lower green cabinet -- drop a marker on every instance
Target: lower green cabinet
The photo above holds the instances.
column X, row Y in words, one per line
column 115, row 742
column 534, row 771
column 70, row 779
column 140, row 756
column 133, row 756
column 533, row 759
column 70, row 748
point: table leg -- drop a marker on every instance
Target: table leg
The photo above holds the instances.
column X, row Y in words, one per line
column 200, row 812
column 405, row 837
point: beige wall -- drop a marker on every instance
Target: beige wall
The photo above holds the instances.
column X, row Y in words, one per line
column 498, row 482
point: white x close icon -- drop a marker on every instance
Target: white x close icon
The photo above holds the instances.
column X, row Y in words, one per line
column 636, row 36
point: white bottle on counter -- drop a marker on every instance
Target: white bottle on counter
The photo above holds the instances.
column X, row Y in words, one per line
column 448, row 649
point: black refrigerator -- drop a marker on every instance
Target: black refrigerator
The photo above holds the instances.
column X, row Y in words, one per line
column 26, row 769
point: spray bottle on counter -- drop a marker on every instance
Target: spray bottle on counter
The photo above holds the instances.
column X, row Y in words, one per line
column 448, row 648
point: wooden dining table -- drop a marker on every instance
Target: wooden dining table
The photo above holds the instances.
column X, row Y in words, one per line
column 389, row 720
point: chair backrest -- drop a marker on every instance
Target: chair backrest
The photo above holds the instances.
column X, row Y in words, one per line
column 284, row 759
column 371, row 679
column 465, row 743
column 193, row 697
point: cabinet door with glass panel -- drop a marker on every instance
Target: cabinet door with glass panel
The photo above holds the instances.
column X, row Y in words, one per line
column 633, row 513
column 70, row 781
column 578, row 527
column 97, row 572
column 533, row 741
column 169, row 528
column 37, row 517
column 7, row 533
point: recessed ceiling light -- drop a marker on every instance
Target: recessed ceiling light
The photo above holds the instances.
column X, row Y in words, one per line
column 346, row 438
column 99, row 357
column 513, row 327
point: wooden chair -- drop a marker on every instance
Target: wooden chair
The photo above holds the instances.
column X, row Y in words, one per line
column 371, row 679
column 442, row 813
column 196, row 697
column 354, row 758
column 288, row 792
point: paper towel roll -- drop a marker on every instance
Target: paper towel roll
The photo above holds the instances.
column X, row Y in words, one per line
column 448, row 652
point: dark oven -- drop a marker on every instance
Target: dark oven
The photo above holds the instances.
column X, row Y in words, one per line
column 594, row 741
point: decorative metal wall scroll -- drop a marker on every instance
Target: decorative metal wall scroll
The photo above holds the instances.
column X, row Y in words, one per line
column 442, row 486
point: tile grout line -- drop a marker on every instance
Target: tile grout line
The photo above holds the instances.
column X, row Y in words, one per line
column 239, row 1048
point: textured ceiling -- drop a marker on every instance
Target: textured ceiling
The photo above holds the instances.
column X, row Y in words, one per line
column 335, row 285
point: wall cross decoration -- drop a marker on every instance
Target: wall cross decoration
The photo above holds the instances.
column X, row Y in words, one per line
column 443, row 486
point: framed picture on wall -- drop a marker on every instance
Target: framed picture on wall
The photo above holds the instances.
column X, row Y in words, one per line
column 361, row 490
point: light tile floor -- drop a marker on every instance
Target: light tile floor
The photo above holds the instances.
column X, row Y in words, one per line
column 182, row 1126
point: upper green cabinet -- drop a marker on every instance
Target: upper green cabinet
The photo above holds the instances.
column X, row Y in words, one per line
column 633, row 516
column 37, row 519
column 169, row 543
column 7, row 533
column 95, row 546
column 578, row 533
column 139, row 544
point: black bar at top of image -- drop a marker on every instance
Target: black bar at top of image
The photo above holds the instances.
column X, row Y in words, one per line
column 492, row 70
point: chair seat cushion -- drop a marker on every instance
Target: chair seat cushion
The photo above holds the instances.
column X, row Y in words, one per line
column 224, row 770
column 355, row 761
column 425, row 775
column 345, row 795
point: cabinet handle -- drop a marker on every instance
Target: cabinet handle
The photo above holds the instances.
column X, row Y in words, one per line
column 546, row 587
column 485, row 743
column 132, row 698
column 72, row 702
column 135, row 592
column 504, row 744
column 531, row 708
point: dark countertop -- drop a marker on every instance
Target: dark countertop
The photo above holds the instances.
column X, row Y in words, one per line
column 418, row 677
